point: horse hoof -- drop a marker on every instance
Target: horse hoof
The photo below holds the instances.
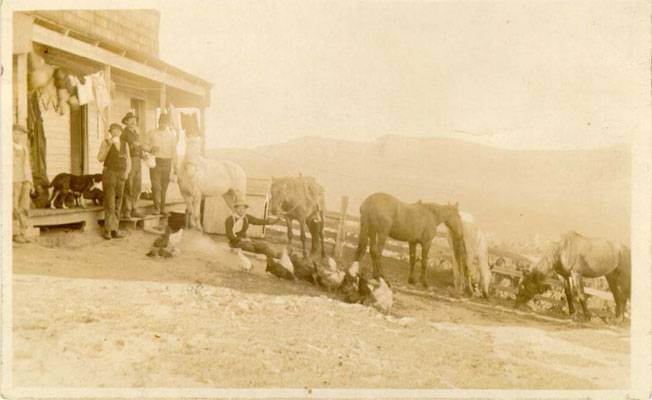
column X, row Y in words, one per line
column 425, row 285
column 411, row 281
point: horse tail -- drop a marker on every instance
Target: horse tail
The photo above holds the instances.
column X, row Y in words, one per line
column 625, row 267
column 363, row 237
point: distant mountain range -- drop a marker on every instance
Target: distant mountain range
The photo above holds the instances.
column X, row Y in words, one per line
column 513, row 194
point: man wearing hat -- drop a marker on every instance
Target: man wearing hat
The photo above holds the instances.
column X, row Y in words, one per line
column 132, row 186
column 236, row 230
column 23, row 184
column 162, row 143
column 114, row 153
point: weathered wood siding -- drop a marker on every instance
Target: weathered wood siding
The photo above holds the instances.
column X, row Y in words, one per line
column 57, row 135
column 131, row 29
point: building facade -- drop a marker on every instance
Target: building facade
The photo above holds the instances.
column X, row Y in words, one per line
column 119, row 46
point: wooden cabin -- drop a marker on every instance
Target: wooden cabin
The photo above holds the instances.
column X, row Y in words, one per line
column 123, row 46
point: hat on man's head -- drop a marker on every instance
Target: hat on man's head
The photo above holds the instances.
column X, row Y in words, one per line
column 115, row 126
column 19, row 128
column 129, row 115
column 164, row 118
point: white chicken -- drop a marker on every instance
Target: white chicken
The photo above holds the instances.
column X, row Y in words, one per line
column 329, row 275
column 354, row 269
column 245, row 262
column 285, row 261
column 381, row 297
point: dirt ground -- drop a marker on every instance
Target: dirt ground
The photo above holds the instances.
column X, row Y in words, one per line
column 95, row 313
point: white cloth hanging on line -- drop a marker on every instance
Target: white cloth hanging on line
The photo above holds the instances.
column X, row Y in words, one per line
column 100, row 87
column 84, row 90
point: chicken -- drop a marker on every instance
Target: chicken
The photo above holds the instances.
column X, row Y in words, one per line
column 245, row 262
column 329, row 275
column 277, row 269
column 285, row 261
column 303, row 268
column 380, row 295
column 166, row 244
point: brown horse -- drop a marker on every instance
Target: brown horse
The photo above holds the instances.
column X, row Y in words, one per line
column 383, row 216
column 301, row 199
column 574, row 257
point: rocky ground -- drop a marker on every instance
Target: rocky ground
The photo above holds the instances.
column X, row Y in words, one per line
column 95, row 313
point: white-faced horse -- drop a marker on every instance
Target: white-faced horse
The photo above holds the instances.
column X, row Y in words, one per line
column 200, row 176
column 477, row 254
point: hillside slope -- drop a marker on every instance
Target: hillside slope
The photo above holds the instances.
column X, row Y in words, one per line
column 515, row 194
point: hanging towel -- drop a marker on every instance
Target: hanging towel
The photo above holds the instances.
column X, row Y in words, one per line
column 102, row 97
column 85, row 91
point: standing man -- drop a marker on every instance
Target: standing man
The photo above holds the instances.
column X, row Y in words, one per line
column 114, row 153
column 132, row 187
column 162, row 143
column 23, row 184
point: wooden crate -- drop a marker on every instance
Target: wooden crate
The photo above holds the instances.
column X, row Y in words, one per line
column 216, row 211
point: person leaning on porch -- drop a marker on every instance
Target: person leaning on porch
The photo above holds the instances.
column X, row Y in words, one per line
column 162, row 143
column 114, row 153
column 133, row 185
column 236, row 231
column 23, row 184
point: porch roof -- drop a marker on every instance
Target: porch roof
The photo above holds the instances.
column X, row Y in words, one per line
column 142, row 65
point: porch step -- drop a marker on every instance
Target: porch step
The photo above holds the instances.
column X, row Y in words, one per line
column 151, row 221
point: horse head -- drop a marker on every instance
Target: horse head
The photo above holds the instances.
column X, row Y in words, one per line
column 530, row 284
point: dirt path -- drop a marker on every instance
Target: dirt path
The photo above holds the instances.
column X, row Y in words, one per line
column 94, row 313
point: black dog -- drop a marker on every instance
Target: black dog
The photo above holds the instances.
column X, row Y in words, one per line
column 77, row 185
column 96, row 195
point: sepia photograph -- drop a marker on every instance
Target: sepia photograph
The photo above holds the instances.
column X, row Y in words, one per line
column 326, row 199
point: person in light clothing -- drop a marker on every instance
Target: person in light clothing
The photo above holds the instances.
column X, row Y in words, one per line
column 114, row 153
column 23, row 184
column 162, row 144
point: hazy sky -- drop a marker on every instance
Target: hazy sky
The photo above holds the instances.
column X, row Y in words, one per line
column 511, row 74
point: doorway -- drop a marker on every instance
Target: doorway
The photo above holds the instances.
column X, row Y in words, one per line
column 138, row 106
column 78, row 140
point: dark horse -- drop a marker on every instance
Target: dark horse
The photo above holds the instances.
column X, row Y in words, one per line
column 302, row 199
column 574, row 257
column 383, row 216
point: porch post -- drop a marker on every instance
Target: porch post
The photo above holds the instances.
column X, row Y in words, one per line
column 107, row 111
column 163, row 97
column 202, row 130
column 21, row 87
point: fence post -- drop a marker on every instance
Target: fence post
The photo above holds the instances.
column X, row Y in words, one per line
column 339, row 240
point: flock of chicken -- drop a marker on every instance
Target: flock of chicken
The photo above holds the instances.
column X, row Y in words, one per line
column 325, row 273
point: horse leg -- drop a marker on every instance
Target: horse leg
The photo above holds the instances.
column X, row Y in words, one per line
column 613, row 281
column 413, row 250
column 373, row 252
column 313, row 228
column 363, row 239
column 196, row 209
column 425, row 249
column 189, row 213
column 456, row 271
column 582, row 297
column 288, row 223
column 302, row 231
column 569, row 295
column 380, row 244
